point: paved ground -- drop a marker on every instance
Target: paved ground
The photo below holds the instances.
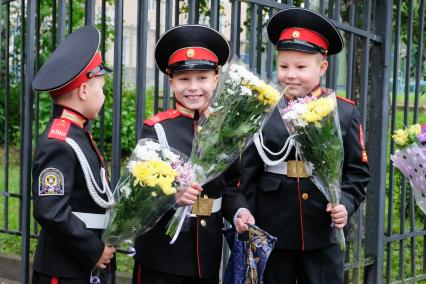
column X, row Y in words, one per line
column 5, row 281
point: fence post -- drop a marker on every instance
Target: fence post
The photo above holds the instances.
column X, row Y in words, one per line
column 90, row 12
column 27, row 141
column 142, row 39
column 377, row 138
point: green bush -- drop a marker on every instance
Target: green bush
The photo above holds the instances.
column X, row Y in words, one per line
column 13, row 114
column 128, row 118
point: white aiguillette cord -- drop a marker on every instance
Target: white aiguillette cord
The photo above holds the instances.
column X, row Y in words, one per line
column 92, row 186
column 261, row 148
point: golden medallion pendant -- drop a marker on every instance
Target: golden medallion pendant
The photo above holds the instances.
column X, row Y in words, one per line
column 296, row 169
column 202, row 206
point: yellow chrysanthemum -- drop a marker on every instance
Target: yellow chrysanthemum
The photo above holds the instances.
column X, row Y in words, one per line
column 310, row 116
column 400, row 137
column 166, row 186
column 267, row 94
column 415, row 129
column 317, row 110
column 155, row 173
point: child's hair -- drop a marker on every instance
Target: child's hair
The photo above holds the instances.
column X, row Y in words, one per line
column 65, row 96
column 321, row 57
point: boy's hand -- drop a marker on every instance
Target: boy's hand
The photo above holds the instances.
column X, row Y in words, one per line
column 106, row 257
column 188, row 195
column 339, row 214
column 244, row 217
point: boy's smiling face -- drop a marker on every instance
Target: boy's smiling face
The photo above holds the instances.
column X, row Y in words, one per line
column 300, row 71
column 193, row 89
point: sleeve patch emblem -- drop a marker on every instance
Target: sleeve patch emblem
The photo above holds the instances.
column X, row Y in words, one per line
column 50, row 182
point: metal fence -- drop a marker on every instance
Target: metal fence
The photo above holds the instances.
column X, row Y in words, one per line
column 372, row 31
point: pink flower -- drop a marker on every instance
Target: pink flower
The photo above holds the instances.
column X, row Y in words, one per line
column 422, row 135
column 302, row 100
column 186, row 174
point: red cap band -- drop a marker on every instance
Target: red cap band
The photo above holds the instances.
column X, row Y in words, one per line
column 192, row 53
column 305, row 35
column 81, row 78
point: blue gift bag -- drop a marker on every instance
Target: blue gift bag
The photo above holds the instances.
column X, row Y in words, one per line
column 248, row 258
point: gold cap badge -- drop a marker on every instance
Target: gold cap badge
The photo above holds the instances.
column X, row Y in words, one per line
column 190, row 53
column 295, row 34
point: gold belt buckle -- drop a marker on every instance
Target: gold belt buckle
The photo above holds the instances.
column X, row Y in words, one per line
column 203, row 206
column 296, row 169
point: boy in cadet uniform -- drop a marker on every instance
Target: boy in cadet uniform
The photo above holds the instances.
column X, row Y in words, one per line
column 287, row 205
column 70, row 184
column 191, row 55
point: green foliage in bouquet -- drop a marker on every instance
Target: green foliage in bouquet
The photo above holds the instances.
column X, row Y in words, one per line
column 146, row 192
column 315, row 122
column 327, row 141
column 129, row 215
column 238, row 109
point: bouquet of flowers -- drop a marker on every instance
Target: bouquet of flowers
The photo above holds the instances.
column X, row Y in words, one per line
column 410, row 159
column 314, row 122
column 145, row 192
column 248, row 258
column 238, row 108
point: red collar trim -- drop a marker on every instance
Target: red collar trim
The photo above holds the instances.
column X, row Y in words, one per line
column 73, row 117
column 185, row 111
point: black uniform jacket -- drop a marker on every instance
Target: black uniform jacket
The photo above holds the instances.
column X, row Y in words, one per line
column 296, row 215
column 196, row 252
column 66, row 248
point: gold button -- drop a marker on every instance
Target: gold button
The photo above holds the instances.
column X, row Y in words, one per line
column 203, row 222
column 305, row 196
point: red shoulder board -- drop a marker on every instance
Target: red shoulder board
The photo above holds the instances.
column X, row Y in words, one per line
column 59, row 129
column 346, row 100
column 162, row 116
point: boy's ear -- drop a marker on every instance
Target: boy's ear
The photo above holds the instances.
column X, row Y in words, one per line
column 323, row 67
column 82, row 91
column 216, row 78
column 171, row 82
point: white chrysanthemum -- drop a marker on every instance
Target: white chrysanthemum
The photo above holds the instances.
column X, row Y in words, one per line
column 146, row 154
column 151, row 145
column 290, row 115
column 126, row 190
column 301, row 122
column 300, row 108
column 131, row 165
column 245, row 91
column 234, row 68
column 250, row 77
column 239, row 73
column 169, row 155
column 234, row 77
column 294, row 117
